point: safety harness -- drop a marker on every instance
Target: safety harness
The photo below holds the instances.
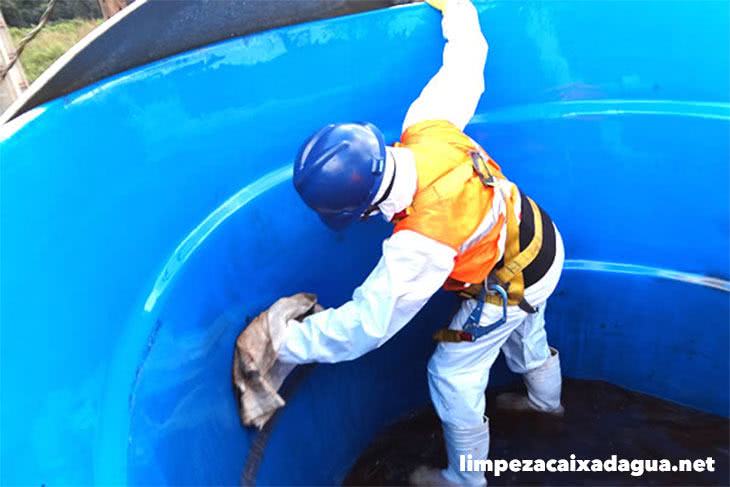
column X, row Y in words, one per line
column 505, row 285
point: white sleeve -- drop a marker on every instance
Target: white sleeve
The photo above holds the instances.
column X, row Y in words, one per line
column 454, row 92
column 411, row 270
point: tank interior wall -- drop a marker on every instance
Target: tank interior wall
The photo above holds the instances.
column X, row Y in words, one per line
column 147, row 217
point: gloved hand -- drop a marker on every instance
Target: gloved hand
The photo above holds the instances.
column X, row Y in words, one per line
column 439, row 5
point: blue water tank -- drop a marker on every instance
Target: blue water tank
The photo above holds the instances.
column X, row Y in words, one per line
column 146, row 217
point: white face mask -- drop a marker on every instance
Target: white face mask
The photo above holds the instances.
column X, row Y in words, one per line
column 404, row 186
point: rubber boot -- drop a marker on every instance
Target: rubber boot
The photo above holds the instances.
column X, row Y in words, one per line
column 469, row 443
column 544, row 385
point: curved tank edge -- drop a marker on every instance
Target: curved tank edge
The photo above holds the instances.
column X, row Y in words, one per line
column 132, row 38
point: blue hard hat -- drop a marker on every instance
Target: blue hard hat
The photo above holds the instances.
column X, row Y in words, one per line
column 338, row 171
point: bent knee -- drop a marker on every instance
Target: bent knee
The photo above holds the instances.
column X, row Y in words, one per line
column 457, row 398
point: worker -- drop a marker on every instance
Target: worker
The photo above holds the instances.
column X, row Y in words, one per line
column 458, row 224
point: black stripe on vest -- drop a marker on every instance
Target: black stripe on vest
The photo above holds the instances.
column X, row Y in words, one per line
column 546, row 256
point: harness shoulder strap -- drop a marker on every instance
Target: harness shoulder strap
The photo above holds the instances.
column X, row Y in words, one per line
column 510, row 274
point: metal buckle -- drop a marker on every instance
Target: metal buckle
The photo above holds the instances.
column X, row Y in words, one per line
column 476, row 161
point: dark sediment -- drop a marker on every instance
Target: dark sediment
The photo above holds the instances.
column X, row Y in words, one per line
column 600, row 420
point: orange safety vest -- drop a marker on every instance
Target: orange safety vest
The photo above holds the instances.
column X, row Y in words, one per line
column 451, row 201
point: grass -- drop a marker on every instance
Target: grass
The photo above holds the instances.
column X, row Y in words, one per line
column 54, row 40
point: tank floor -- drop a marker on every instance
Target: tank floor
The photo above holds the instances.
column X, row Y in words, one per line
column 600, row 420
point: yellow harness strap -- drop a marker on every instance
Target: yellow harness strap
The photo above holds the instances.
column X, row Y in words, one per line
column 514, row 260
column 510, row 275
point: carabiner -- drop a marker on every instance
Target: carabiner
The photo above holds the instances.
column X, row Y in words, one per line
column 477, row 163
column 472, row 326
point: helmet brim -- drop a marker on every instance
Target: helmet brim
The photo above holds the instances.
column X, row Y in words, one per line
column 338, row 221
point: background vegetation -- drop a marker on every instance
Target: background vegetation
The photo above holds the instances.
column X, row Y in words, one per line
column 25, row 13
column 55, row 39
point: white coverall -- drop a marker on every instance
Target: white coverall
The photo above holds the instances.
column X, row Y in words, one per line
column 413, row 267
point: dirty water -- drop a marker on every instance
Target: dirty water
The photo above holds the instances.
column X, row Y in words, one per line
column 601, row 420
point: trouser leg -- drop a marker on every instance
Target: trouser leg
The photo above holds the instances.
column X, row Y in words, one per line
column 527, row 352
column 458, row 374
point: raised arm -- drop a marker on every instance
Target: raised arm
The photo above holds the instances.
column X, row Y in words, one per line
column 454, row 92
column 411, row 270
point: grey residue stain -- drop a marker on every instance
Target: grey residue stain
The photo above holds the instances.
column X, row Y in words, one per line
column 140, row 367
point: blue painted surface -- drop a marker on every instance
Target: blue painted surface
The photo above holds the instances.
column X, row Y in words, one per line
column 130, row 262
